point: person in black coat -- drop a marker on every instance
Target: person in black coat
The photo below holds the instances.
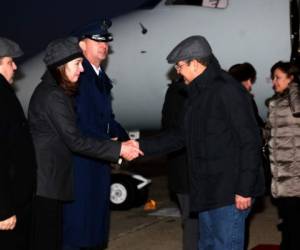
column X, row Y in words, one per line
column 17, row 160
column 245, row 73
column 55, row 135
column 178, row 180
column 223, row 146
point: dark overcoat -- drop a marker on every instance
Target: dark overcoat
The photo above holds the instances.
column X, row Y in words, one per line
column 55, row 135
column 222, row 140
column 86, row 219
column 172, row 115
column 17, row 165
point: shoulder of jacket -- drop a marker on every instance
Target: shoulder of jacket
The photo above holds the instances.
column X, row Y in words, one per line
column 227, row 84
column 294, row 88
column 56, row 93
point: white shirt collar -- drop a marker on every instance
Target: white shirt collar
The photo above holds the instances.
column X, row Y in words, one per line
column 97, row 70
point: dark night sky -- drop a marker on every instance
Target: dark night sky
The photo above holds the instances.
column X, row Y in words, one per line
column 33, row 23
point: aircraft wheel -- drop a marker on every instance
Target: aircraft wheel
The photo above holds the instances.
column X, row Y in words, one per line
column 122, row 192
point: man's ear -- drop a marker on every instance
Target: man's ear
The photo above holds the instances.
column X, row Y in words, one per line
column 1, row 68
column 82, row 45
column 192, row 65
column 198, row 67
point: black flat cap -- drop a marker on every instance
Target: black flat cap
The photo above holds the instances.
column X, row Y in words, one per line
column 61, row 51
column 97, row 31
column 9, row 48
column 190, row 48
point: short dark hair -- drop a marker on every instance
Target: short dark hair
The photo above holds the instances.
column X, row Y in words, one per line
column 243, row 71
column 287, row 67
column 204, row 61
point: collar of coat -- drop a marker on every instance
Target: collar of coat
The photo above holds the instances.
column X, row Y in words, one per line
column 49, row 79
column 207, row 78
column 89, row 70
column 5, row 83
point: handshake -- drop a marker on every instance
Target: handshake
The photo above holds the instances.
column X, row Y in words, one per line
column 130, row 150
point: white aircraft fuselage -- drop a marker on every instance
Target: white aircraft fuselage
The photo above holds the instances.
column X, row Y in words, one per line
column 256, row 31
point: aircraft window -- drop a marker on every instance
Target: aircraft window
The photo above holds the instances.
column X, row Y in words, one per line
column 204, row 3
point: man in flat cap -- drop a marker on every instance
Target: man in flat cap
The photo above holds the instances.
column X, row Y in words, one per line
column 223, row 146
column 86, row 220
column 17, row 160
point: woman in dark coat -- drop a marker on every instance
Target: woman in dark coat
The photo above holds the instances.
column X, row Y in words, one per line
column 55, row 135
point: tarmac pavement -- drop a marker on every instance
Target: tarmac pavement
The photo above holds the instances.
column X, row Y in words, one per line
column 136, row 229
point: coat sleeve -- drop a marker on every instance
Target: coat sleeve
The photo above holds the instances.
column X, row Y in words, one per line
column 116, row 130
column 6, row 198
column 165, row 142
column 63, row 119
column 244, row 127
column 7, row 208
column 6, row 191
column 173, row 136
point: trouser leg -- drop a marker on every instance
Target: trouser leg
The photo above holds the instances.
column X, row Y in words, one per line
column 189, row 223
column 222, row 228
column 289, row 210
column 47, row 224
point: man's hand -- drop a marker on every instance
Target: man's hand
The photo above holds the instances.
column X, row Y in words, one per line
column 8, row 224
column 242, row 203
column 130, row 150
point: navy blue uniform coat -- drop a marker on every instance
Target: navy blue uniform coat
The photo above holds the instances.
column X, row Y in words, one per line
column 86, row 220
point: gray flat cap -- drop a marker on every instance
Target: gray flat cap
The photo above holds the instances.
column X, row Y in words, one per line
column 190, row 48
column 61, row 51
column 9, row 48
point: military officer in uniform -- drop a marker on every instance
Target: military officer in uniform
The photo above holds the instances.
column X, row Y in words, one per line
column 86, row 219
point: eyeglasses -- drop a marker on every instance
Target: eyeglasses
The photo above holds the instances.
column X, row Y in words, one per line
column 178, row 67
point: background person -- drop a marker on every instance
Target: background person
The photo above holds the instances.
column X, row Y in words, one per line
column 17, row 160
column 55, row 135
column 283, row 124
column 178, row 179
column 86, row 219
column 245, row 73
